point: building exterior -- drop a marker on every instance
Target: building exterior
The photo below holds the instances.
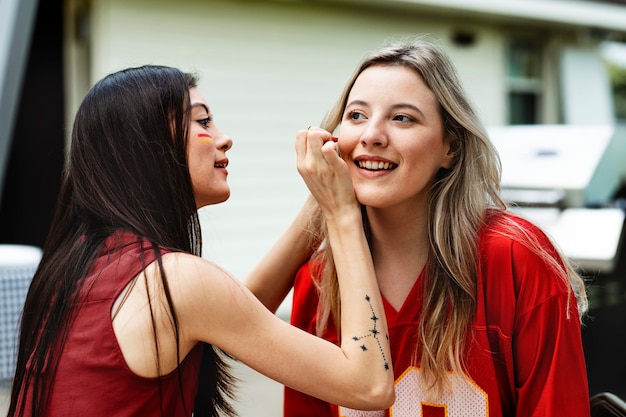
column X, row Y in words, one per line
column 269, row 68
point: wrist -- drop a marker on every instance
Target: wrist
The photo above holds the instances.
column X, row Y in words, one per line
column 346, row 218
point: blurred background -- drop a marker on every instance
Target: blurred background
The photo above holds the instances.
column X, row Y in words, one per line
column 547, row 76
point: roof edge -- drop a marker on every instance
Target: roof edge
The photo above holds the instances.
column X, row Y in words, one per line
column 582, row 13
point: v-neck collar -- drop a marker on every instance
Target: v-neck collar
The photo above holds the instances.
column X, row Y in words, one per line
column 413, row 295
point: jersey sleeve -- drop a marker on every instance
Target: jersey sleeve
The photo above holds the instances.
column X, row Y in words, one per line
column 550, row 367
column 549, row 371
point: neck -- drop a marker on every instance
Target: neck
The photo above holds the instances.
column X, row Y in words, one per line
column 400, row 249
column 398, row 228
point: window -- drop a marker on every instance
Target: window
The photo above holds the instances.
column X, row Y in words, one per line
column 524, row 81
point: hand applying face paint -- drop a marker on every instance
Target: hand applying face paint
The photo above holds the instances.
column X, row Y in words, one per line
column 322, row 168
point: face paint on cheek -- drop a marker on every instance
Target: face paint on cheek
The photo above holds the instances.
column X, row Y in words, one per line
column 205, row 138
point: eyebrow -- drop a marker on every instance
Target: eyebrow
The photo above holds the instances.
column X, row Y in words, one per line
column 410, row 106
column 198, row 104
column 395, row 106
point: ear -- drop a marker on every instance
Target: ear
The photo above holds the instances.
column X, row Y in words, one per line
column 450, row 146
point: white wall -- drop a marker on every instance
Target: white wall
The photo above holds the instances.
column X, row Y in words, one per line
column 585, row 80
column 267, row 70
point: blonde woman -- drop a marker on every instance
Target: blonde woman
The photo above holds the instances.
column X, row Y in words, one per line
column 484, row 312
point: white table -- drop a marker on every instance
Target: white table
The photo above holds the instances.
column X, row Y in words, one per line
column 590, row 237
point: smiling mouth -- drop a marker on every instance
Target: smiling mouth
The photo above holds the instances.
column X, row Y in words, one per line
column 376, row 165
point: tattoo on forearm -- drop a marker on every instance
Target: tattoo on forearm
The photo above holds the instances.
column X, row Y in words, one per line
column 375, row 334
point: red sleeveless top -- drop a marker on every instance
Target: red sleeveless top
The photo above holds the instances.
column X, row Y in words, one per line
column 93, row 378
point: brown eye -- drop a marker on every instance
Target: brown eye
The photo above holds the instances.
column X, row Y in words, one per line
column 355, row 115
column 206, row 121
column 403, row 118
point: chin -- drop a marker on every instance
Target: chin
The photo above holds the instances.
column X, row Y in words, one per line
column 368, row 198
column 373, row 201
column 212, row 200
column 221, row 198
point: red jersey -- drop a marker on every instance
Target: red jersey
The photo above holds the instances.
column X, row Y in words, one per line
column 93, row 378
column 525, row 356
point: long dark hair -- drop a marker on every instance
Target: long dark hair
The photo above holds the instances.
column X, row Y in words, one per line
column 126, row 170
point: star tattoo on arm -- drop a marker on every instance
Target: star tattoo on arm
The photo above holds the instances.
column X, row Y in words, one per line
column 375, row 333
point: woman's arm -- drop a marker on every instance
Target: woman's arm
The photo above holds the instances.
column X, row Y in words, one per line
column 217, row 309
column 272, row 278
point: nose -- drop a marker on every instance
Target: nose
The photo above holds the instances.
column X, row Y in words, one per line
column 374, row 134
column 223, row 142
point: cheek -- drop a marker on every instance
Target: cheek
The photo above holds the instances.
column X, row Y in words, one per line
column 349, row 137
column 344, row 151
column 201, row 157
column 346, row 143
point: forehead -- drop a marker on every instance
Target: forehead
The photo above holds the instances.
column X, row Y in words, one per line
column 391, row 80
column 195, row 97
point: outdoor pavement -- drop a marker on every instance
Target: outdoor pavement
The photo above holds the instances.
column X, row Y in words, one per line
column 258, row 396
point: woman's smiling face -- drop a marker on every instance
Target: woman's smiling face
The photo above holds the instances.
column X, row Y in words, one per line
column 391, row 135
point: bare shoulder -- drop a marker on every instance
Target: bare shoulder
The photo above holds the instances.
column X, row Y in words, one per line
column 180, row 261
column 195, row 276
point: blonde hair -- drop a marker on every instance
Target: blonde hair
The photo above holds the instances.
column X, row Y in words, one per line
column 460, row 200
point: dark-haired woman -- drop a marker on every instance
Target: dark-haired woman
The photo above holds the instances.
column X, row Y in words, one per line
column 124, row 318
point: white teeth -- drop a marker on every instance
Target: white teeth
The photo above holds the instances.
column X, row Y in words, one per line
column 374, row 165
